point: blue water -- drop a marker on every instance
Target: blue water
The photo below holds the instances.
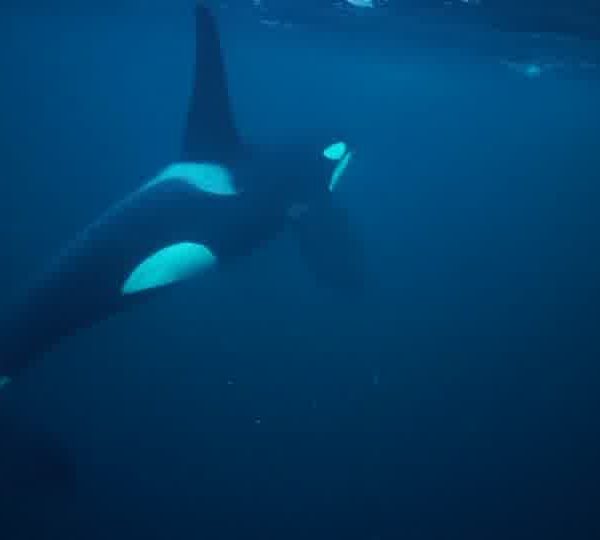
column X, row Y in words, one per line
column 459, row 399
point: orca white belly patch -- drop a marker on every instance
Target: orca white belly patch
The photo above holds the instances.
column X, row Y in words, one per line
column 169, row 265
column 208, row 177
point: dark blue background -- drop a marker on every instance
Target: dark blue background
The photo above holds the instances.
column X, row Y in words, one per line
column 458, row 400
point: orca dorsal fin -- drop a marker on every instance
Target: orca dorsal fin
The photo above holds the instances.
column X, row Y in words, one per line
column 210, row 134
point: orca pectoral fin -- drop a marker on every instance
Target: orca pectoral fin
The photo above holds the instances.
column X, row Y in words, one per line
column 330, row 246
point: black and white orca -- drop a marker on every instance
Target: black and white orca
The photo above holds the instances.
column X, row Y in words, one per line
column 221, row 200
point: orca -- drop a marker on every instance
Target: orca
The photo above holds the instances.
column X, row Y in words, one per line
column 219, row 201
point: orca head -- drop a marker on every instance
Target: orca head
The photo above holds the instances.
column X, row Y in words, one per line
column 328, row 240
column 313, row 172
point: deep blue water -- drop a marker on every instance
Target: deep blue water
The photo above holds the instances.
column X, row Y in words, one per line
column 458, row 399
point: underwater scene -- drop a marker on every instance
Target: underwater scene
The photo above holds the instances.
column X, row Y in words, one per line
column 300, row 269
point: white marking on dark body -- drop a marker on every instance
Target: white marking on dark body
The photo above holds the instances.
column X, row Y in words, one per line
column 169, row 265
column 338, row 152
column 208, row 177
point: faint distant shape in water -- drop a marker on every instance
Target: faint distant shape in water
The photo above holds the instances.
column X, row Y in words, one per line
column 361, row 3
column 530, row 70
column 536, row 68
column 266, row 19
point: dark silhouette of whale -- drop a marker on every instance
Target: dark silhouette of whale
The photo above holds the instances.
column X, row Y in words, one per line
column 38, row 476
